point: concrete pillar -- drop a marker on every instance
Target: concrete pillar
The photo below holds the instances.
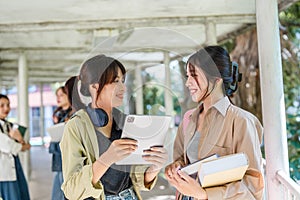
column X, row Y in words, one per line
column 168, row 95
column 42, row 114
column 139, row 101
column 1, row 85
column 273, row 108
column 23, row 108
column 210, row 33
column 129, row 104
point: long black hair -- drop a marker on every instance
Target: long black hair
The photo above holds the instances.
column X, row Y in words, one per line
column 215, row 63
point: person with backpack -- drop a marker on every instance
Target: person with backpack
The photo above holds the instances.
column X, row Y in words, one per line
column 215, row 126
column 13, row 184
column 61, row 114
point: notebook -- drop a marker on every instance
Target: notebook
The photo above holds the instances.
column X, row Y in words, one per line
column 22, row 129
column 195, row 166
column 148, row 130
column 56, row 132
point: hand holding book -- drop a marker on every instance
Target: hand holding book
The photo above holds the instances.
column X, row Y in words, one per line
column 213, row 171
column 195, row 166
column 17, row 132
column 21, row 129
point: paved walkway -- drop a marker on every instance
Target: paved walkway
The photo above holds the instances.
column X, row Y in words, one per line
column 40, row 183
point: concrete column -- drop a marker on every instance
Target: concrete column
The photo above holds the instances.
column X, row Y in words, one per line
column 1, row 85
column 23, row 108
column 139, row 104
column 129, row 104
column 42, row 114
column 168, row 95
column 210, row 33
column 169, row 107
column 273, row 108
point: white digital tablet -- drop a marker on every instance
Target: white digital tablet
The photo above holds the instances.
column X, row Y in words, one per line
column 56, row 131
column 148, row 130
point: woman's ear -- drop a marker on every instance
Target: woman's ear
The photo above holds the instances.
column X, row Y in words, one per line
column 95, row 86
column 219, row 80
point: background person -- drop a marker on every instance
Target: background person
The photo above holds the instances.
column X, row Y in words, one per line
column 91, row 141
column 70, row 88
column 13, row 184
column 216, row 126
column 61, row 114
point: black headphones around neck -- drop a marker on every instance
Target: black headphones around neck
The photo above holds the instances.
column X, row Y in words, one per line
column 98, row 116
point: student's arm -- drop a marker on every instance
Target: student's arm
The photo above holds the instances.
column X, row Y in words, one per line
column 158, row 157
column 8, row 145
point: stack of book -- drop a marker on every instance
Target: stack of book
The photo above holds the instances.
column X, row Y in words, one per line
column 215, row 170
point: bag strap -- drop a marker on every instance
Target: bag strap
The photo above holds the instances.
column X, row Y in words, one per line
column 186, row 119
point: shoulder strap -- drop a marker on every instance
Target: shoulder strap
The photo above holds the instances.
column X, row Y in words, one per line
column 186, row 119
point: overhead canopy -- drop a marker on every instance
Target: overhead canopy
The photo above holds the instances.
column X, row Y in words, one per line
column 57, row 36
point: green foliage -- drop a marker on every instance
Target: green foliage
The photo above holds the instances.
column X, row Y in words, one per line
column 293, row 127
column 152, row 95
column 290, row 20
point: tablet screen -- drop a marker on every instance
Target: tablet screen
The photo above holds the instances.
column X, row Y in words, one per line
column 148, row 130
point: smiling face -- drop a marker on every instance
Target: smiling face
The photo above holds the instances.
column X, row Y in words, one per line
column 4, row 108
column 112, row 94
column 196, row 82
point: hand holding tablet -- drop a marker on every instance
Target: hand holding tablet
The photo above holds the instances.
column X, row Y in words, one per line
column 150, row 132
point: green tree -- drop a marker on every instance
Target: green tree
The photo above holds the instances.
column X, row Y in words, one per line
column 290, row 43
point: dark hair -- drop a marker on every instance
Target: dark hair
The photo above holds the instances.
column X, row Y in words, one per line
column 215, row 63
column 61, row 88
column 2, row 96
column 98, row 69
column 71, row 89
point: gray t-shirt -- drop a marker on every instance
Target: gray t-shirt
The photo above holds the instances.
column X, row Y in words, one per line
column 117, row 177
column 192, row 149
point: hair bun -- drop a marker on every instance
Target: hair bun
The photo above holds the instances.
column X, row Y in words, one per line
column 235, row 77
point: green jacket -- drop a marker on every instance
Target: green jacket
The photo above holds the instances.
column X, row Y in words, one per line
column 79, row 148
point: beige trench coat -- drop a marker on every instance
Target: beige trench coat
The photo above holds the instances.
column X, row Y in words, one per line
column 227, row 129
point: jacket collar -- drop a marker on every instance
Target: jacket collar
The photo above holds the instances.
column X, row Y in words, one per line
column 2, row 122
column 222, row 105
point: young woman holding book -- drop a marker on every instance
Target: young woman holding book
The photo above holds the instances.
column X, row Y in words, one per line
column 216, row 126
column 92, row 144
column 13, row 184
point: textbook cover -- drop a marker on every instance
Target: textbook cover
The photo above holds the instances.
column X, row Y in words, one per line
column 223, row 170
column 22, row 129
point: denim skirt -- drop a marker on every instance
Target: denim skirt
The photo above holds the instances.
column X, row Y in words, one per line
column 15, row 190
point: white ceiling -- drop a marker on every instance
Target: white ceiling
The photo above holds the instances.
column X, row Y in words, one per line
column 56, row 36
